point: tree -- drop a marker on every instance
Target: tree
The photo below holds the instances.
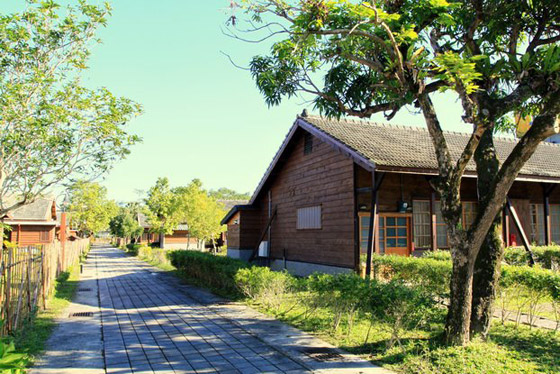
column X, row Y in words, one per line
column 225, row 193
column 125, row 225
column 498, row 57
column 164, row 213
column 54, row 130
column 201, row 211
column 89, row 210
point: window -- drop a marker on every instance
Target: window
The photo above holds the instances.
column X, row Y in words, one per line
column 364, row 232
column 307, row 143
column 395, row 232
column 422, row 220
column 44, row 236
column 309, row 218
column 537, row 223
column 470, row 210
column 441, row 228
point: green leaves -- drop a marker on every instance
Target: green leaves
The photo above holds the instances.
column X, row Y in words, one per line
column 451, row 67
column 55, row 130
column 89, row 209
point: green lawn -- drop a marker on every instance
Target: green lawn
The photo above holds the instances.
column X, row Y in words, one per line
column 33, row 337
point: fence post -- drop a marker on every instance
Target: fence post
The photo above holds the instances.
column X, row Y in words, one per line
column 7, row 321
column 29, row 272
column 46, row 273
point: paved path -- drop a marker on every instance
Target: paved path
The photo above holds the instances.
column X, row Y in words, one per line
column 145, row 321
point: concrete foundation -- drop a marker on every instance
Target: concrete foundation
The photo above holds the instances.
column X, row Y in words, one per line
column 239, row 254
column 303, row 269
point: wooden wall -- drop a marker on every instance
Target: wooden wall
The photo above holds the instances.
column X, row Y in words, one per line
column 324, row 177
column 29, row 235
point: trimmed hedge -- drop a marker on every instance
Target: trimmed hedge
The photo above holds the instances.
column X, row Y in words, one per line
column 435, row 275
column 547, row 257
column 215, row 272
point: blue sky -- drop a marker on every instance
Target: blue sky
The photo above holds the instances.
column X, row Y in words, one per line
column 203, row 118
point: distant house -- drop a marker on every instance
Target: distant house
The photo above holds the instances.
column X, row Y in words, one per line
column 34, row 223
column 180, row 239
column 311, row 210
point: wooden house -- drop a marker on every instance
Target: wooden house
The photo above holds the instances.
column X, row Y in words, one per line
column 179, row 239
column 312, row 209
column 34, row 223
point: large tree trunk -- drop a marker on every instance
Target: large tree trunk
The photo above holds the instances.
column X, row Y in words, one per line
column 487, row 265
column 457, row 329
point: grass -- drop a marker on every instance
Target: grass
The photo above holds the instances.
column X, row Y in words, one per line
column 509, row 349
column 33, row 337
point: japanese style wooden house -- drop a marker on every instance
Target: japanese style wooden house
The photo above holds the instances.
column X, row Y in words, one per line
column 312, row 209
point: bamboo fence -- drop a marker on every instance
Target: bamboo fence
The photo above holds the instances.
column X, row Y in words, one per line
column 27, row 276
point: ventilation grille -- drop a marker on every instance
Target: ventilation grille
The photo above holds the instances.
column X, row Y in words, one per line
column 323, row 354
column 81, row 314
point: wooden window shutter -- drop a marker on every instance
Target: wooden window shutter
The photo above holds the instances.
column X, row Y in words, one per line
column 309, row 218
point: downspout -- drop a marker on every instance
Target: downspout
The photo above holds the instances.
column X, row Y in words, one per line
column 270, row 226
column 372, row 224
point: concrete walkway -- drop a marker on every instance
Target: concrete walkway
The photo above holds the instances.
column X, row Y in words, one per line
column 145, row 321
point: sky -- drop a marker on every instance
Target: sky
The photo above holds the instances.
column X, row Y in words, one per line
column 203, row 117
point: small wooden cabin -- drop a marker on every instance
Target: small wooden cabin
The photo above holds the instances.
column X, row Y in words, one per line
column 311, row 211
column 179, row 239
column 34, row 223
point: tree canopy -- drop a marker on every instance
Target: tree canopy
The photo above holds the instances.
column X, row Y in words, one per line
column 89, row 209
column 125, row 224
column 54, row 129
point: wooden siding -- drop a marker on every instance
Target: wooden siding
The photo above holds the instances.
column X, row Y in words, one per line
column 29, row 235
column 324, row 177
column 180, row 237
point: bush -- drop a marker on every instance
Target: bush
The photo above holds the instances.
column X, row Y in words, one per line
column 264, row 285
column 547, row 257
column 132, row 249
column 400, row 307
column 343, row 294
column 433, row 275
column 205, row 269
column 439, row 255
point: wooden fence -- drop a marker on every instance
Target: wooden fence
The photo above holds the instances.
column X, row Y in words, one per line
column 27, row 276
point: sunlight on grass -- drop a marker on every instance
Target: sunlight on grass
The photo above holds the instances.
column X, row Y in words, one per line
column 33, row 337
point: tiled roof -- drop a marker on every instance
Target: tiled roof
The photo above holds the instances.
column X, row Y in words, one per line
column 391, row 146
column 39, row 210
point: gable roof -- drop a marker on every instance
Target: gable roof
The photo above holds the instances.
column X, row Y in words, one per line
column 393, row 148
column 39, row 211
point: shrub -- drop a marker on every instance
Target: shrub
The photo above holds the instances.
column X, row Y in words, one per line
column 214, row 272
column 547, row 257
column 343, row 294
column 433, row 275
column 401, row 307
column 264, row 285
column 132, row 249
column 439, row 255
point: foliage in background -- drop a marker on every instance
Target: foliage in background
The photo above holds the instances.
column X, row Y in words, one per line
column 225, row 193
column 200, row 211
column 125, row 225
column 163, row 208
column 89, row 209
column 54, row 129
